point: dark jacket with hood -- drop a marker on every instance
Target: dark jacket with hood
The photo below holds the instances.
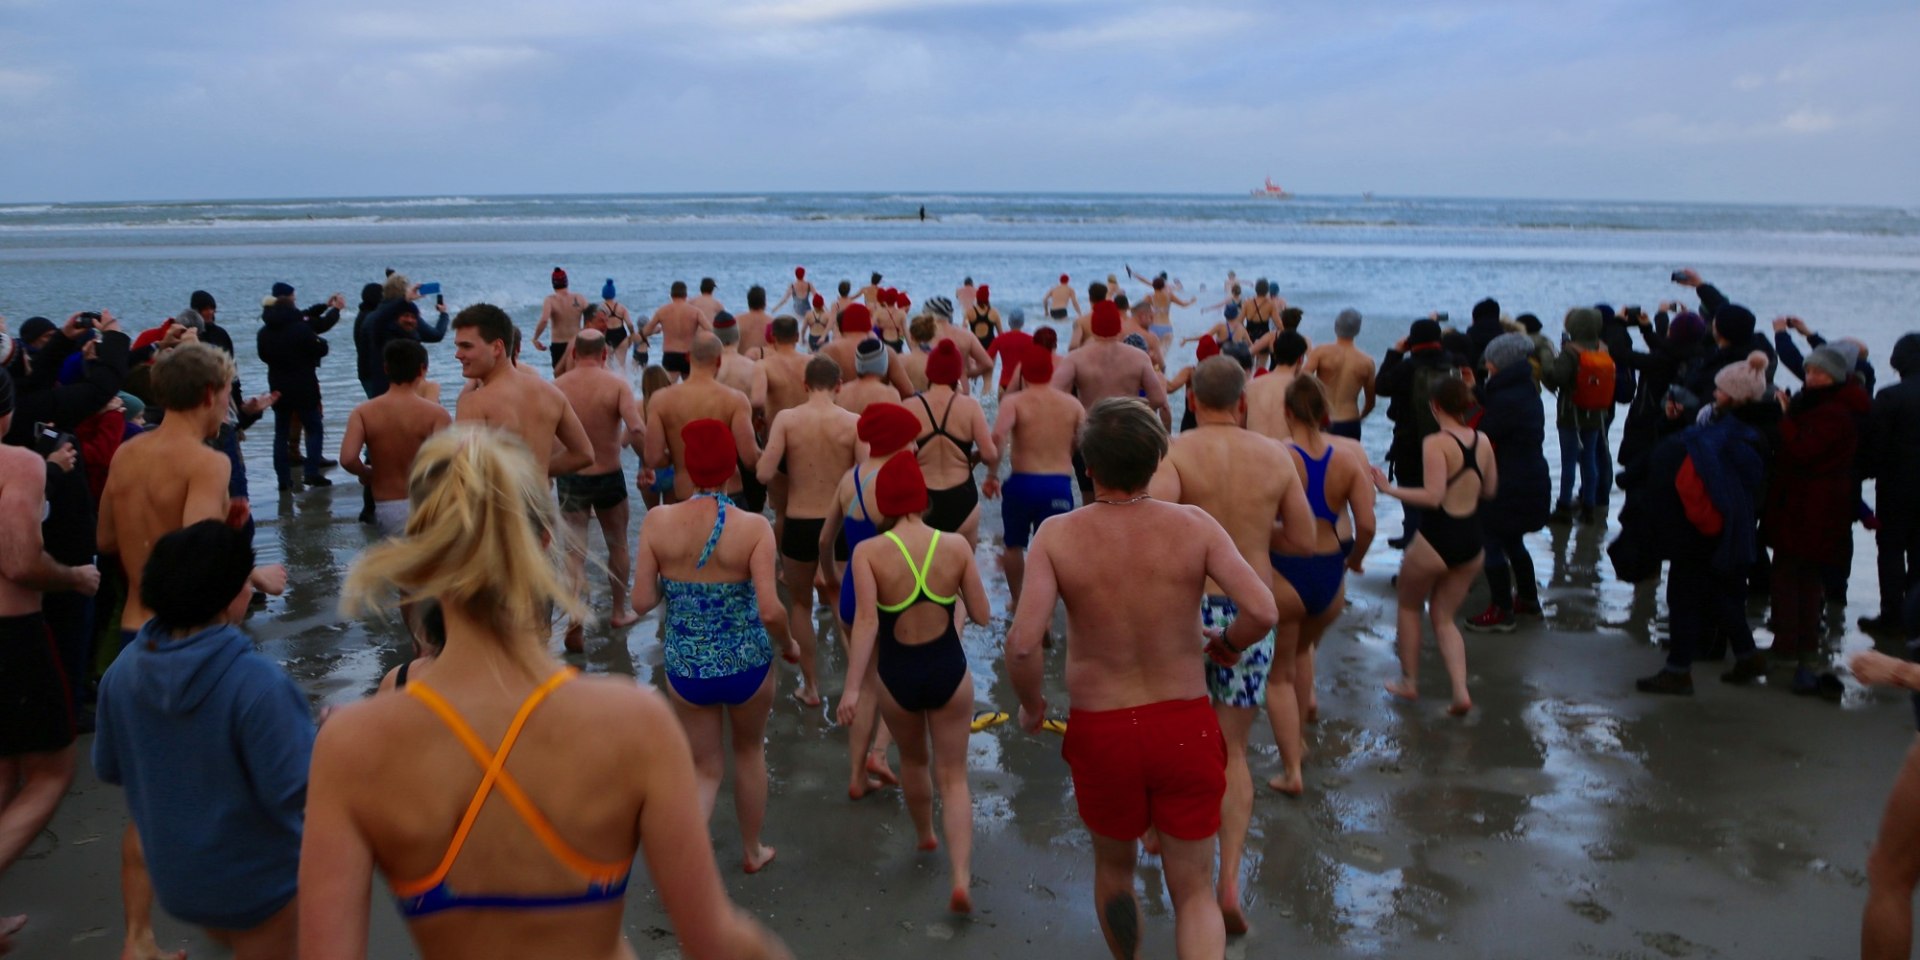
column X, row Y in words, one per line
column 1515, row 423
column 1400, row 380
column 1812, row 498
column 291, row 348
column 1617, row 333
column 1891, row 453
column 212, row 741
column 68, row 530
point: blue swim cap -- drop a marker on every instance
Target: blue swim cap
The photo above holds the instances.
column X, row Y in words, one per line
column 606, row 292
column 1232, row 311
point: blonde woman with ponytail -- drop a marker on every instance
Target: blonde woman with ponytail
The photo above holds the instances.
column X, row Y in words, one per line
column 501, row 830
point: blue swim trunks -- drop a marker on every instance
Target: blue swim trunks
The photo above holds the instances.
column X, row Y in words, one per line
column 1028, row 498
column 1244, row 684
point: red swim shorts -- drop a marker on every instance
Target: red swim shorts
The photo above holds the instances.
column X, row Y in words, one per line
column 1161, row 764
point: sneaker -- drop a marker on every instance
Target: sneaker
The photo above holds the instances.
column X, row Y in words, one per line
column 1747, row 669
column 1666, row 681
column 1492, row 620
column 318, row 482
column 1805, row 682
column 1526, row 608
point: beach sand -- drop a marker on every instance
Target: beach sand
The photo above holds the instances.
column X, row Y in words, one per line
column 1568, row 816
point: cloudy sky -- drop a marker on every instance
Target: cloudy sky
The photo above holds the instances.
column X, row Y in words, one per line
column 1742, row 100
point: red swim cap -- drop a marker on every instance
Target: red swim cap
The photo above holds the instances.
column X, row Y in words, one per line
column 559, row 279
column 888, row 427
column 901, row 300
column 709, row 452
column 1208, row 348
column 1047, row 338
column 1106, row 319
column 943, row 364
column 1063, row 278
column 885, row 296
column 980, row 294
column 799, row 273
column 856, row 318
column 819, row 302
column 900, row 488
column 1037, row 365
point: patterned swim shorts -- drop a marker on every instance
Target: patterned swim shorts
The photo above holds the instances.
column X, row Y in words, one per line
column 1244, row 684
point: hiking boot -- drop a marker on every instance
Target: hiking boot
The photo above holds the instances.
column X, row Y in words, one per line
column 1747, row 669
column 1492, row 620
column 1666, row 681
column 1526, row 608
column 318, row 482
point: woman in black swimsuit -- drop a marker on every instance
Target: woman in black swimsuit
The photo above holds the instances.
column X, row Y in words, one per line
column 951, row 424
column 1444, row 558
column 906, row 583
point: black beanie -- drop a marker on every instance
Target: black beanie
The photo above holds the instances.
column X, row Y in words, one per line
column 201, row 300
column 194, row 573
column 1734, row 324
column 1423, row 332
column 1906, row 355
column 1488, row 309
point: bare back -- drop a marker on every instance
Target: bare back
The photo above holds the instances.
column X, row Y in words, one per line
column 160, row 482
column 678, row 321
column 736, row 371
column 1347, row 372
column 604, row 403
column 23, row 501
column 393, row 426
column 1042, row 423
column 864, row 392
column 521, row 404
column 1109, row 368
column 1267, row 404
column 818, row 440
column 1346, row 476
column 753, row 330
column 683, row 403
column 785, row 373
column 1238, row 477
column 563, row 309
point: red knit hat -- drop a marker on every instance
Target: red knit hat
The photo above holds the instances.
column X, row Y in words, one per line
column 943, row 364
column 1208, row 347
column 886, row 296
column 559, row 279
column 1037, row 365
column 856, row 318
column 980, row 294
column 888, row 427
column 1106, row 319
column 900, row 488
column 710, row 453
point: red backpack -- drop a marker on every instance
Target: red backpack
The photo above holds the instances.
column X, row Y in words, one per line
column 1593, row 380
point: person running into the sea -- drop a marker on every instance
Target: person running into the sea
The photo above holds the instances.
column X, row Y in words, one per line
column 1513, row 421
column 754, row 323
column 561, row 312
column 913, row 643
column 856, row 327
column 499, row 395
column 1445, row 555
column 1267, row 395
column 1261, row 312
column 952, row 426
column 603, row 400
column 390, row 429
column 779, row 383
column 1062, row 301
column 888, row 430
column 815, row 320
column 701, row 396
column 979, row 361
column 656, row 486
column 811, row 445
column 983, row 320
column 676, row 321
column 724, row 621
column 1037, row 426
column 1104, row 367
column 1083, row 324
column 619, row 320
column 163, row 480
column 1144, row 747
column 1347, row 373
column 800, row 292
column 1246, row 483
column 738, row 372
column 211, row 741
column 708, row 304
column 1338, row 486
column 965, row 296
column 872, row 362
column 1229, row 329
column 36, row 712
column 1011, row 346
column 485, row 544
column 1163, row 299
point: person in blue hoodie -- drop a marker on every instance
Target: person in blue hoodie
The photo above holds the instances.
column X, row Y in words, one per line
column 211, row 741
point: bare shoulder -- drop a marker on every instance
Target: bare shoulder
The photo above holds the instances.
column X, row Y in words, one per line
column 755, row 524
column 607, row 696
column 18, row 461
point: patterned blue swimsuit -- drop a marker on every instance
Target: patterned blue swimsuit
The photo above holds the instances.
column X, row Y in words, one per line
column 717, row 649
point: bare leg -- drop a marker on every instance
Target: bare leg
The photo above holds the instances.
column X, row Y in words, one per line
column 970, row 528
column 576, row 522
column 1447, row 595
column 702, row 726
column 271, row 940
column 1283, row 712
column 949, row 727
column 44, row 778
column 864, row 735
column 1015, row 563
column 1113, row 865
column 1303, row 668
column 613, row 529
column 1236, row 811
column 749, row 722
column 136, row 894
column 1198, row 930
column 799, row 583
column 1886, row 931
column 1418, row 571
column 916, row 779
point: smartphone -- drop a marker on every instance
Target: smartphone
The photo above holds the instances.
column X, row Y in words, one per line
column 48, row 438
column 1633, row 313
column 1441, row 316
column 1679, row 276
column 88, row 319
column 430, row 289
column 440, row 302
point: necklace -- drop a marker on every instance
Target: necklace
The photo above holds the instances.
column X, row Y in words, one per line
column 1122, row 503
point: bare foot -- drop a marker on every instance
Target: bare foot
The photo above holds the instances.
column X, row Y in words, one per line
column 147, row 948
column 1230, row 912
column 1460, row 708
column 1292, row 785
column 877, row 767
column 1313, row 712
column 1150, row 842
column 8, row 927
column 1403, row 688
column 807, row 695
column 961, row 901
column 860, row 792
column 928, row 842
column 623, row 616
column 576, row 639
column 757, row 860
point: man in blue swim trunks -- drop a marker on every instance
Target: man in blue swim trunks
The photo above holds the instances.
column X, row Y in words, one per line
column 1244, row 481
column 1040, row 423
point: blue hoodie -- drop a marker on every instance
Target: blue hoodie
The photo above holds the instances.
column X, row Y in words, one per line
column 211, row 741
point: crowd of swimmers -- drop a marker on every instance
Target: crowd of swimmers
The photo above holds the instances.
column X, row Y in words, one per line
column 833, row 453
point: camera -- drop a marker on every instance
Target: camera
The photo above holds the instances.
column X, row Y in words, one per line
column 1632, row 312
column 48, row 438
column 88, row 319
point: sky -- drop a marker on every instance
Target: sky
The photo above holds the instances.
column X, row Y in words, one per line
column 1715, row 100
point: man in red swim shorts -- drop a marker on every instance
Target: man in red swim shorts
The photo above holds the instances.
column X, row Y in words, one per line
column 1143, row 743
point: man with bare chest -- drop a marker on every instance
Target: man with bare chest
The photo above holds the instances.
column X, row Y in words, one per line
column 500, row 395
column 676, row 322
column 603, row 400
column 390, row 428
column 1347, row 373
column 561, row 311
column 700, row 397
column 813, row 446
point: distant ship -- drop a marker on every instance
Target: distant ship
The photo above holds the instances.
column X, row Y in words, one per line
column 1272, row 191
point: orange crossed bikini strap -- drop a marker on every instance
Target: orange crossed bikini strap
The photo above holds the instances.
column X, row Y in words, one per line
column 496, row 774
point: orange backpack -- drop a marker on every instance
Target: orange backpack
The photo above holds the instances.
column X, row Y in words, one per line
column 1593, row 380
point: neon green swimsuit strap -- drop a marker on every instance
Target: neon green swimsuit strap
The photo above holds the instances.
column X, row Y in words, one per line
column 919, row 576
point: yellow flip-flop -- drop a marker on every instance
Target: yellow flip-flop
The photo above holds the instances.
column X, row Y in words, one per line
column 988, row 718
column 1054, row 726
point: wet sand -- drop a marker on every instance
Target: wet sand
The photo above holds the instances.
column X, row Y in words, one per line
column 1568, row 816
